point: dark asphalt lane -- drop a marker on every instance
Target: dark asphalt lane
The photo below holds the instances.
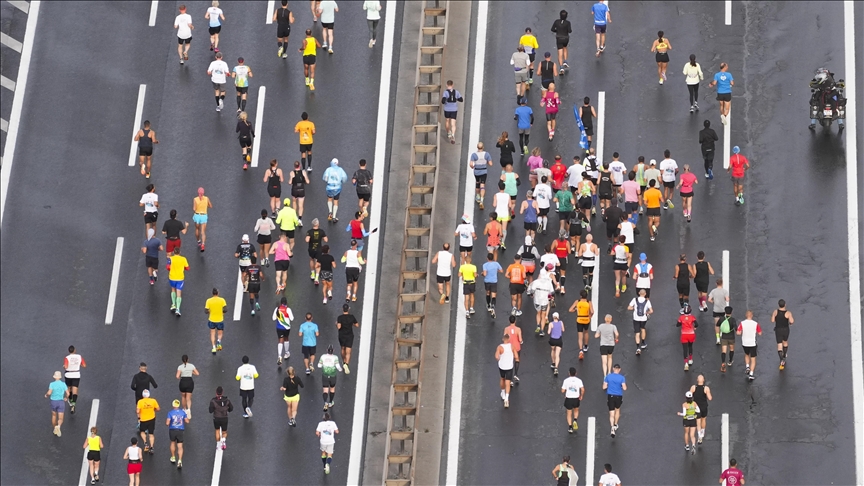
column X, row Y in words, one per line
column 796, row 417
column 198, row 148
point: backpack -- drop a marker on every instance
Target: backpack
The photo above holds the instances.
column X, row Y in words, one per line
column 451, row 95
column 725, row 327
column 640, row 307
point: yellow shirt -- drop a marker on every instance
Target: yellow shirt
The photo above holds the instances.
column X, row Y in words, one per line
column 179, row 264
column 93, row 443
column 305, row 129
column 216, row 306
column 468, row 271
column 583, row 312
column 201, row 204
column 310, row 49
column 529, row 42
column 652, row 197
column 147, row 409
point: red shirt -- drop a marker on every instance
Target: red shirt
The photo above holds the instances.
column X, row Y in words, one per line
column 561, row 249
column 733, row 476
column 558, row 174
column 356, row 229
column 687, row 321
column 737, row 163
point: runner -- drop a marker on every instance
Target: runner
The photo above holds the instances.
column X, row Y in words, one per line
column 529, row 43
column 781, row 318
column 618, row 169
column 543, row 193
column 200, row 205
column 727, row 328
column 541, row 289
column 584, row 311
column 218, row 72
column 608, row 334
column 642, row 310
column 622, row 258
column 479, row 163
column 660, row 47
column 643, row 273
column 724, row 82
column 702, row 271
column 609, row 478
column 547, row 71
column 326, row 431
column 187, row 384
column 150, row 202
column 615, row 386
column 176, row 421
column 327, row 13
column 451, row 99
column 298, row 179
column 177, row 267
column 556, row 331
column 466, row 234
column 58, row 393
column 491, row 269
column 306, row 129
column 562, row 29
column 559, row 173
column 530, row 255
column 524, row 117
column 587, row 114
column 244, row 253
column 588, row 253
column 329, row 365
column 738, row 166
column 246, row 134
column 313, row 4
column 566, row 203
column 632, row 196
column 693, row 76
column 748, row 329
column 507, row 149
column 720, row 298
column 216, row 17
column 345, row 324
column 255, row 276
column 501, row 203
column 135, row 457
column 263, row 227
column 183, row 24
column 146, row 409
column 701, row 395
column 683, row 274
column 172, row 228
column 530, row 209
column 550, row 258
column 562, row 249
column 373, row 15
column 653, row 200
column 291, row 385
column 688, row 324
column 506, row 356
column 689, row 411
column 283, row 18
column 309, row 332
column 146, row 138
column 353, row 261
column 334, row 176
column 511, row 187
column 246, row 375
column 445, row 263
column 578, row 224
column 93, row 445
column 73, row 363
column 309, row 50
column 287, row 220
column 357, row 230
column 362, row 180
column 601, row 20
column 282, row 317
column 564, row 473
column 587, row 193
column 669, row 169
column 468, row 273
column 220, row 407
column 215, row 308
column 141, row 381
column 686, row 187
column 640, row 169
column 574, row 391
column 282, row 254
column 515, row 333
column 604, row 189
column 707, row 137
column 493, row 231
column 521, row 63
column 732, row 476
column 516, row 274
column 274, row 179
column 653, row 174
column 325, row 264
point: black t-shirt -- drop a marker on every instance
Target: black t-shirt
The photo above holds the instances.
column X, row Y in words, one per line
column 315, row 238
column 327, row 262
column 292, row 387
column 562, row 28
column 707, row 137
column 613, row 216
column 346, row 323
column 363, row 178
column 254, row 272
column 733, row 326
column 245, row 251
column 172, row 228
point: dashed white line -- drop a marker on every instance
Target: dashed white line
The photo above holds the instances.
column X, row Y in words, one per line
column 139, row 112
column 115, row 277
column 728, row 12
column 154, row 8
column 238, row 296
column 724, row 439
column 217, row 468
column 589, row 451
column 7, row 83
column 725, row 271
column 10, row 42
column 358, row 425
column 85, row 466
column 259, row 120
column 21, row 5
column 271, row 7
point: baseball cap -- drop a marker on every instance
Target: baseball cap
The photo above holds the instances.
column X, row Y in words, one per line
column 175, row 403
column 547, row 54
column 688, row 395
column 57, row 375
column 653, row 162
column 466, row 218
column 245, row 237
column 736, row 149
column 550, row 267
column 643, row 256
column 555, row 315
column 145, row 393
column 527, row 240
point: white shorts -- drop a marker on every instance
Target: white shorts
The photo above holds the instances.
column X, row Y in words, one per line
column 327, row 448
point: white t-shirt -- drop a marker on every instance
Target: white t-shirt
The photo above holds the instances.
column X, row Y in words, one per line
column 543, row 195
column 149, row 201
column 634, row 303
column 465, row 231
column 328, row 11
column 550, row 258
column 609, row 479
column 542, row 287
column 627, row 231
column 667, row 170
column 749, row 328
column 574, row 174
column 571, row 386
column 247, row 374
column 373, row 9
column 182, row 22
column 215, row 14
column 445, row 259
column 327, row 428
column 618, row 170
column 643, row 282
column 218, row 71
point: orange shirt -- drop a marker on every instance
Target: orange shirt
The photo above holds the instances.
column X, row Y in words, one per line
column 514, row 332
column 517, row 273
column 652, row 197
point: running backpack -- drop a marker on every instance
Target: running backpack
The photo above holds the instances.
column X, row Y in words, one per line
column 640, row 307
column 725, row 328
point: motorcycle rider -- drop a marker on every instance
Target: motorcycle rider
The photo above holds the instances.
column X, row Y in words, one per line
column 826, row 93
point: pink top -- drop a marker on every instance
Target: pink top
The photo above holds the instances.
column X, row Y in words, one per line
column 280, row 251
column 687, row 180
column 631, row 191
column 551, row 100
column 534, row 162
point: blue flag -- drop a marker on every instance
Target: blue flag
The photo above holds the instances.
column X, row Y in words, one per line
column 583, row 137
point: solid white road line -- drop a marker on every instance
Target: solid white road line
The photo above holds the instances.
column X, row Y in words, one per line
column 589, row 451
column 728, row 12
column 85, row 466
column 7, row 83
column 358, row 426
column 10, row 42
column 853, row 241
column 271, row 7
column 601, row 132
column 259, row 120
column 217, row 468
column 154, row 7
column 725, row 271
column 459, row 340
column 18, row 101
column 724, row 438
column 115, row 277
column 727, row 143
column 238, row 296
column 139, row 112
column 20, row 5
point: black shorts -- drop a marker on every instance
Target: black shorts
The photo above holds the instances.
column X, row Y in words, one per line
column 275, row 191
column 638, row 325
column 605, row 196
column 619, row 266
column 685, row 195
column 703, row 410
column 309, row 60
column 724, row 96
column 781, row 333
column 562, row 264
column 187, row 384
column 70, row 382
column 661, row 57
column 689, row 422
column 151, row 217
column 631, row 207
column 583, row 327
column 613, row 402
column 151, row 262
column 575, row 228
column 551, row 116
column 282, row 265
column 606, row 350
column 571, row 403
column 469, row 288
column 542, row 211
column 327, row 25
column 466, row 249
column 530, row 226
column 242, row 89
column 441, row 279
column 479, row 180
column 308, row 351
column 313, row 254
column 352, row 275
column 564, row 215
column 531, row 56
column 175, row 435
column 245, row 142
column 184, row 41
column 450, row 114
column 254, row 288
column 283, row 30
column 517, row 288
column 215, row 30
column 669, row 184
column 143, row 152
column 585, row 202
column 94, row 456
column 264, row 239
column 148, row 426
column 491, row 287
column 653, row 212
column 589, row 130
column 305, row 147
column 288, row 233
column 556, row 342
column 611, row 231
column 506, row 374
column 683, row 289
column 701, row 286
column 346, row 340
column 561, row 42
column 221, row 423
column 718, row 315
column 283, row 333
column 364, row 197
column 599, row 29
column 750, row 351
column 328, row 381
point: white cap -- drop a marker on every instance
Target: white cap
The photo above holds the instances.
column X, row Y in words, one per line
column 245, row 237
column 653, row 162
column 528, row 240
column 145, row 393
column 688, row 395
column 555, row 315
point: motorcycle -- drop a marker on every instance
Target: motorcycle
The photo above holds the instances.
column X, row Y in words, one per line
column 827, row 102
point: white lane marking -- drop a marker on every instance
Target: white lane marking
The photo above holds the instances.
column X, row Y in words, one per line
column 20, row 5
column 724, row 448
column 259, row 120
column 728, row 12
column 4, row 125
column 271, row 6
column 459, row 340
column 217, row 468
column 18, row 103
column 7, row 83
column 726, row 283
column 154, row 8
column 358, row 425
column 589, row 452
column 853, row 241
column 10, row 42
column 85, row 466
column 238, row 296
column 115, row 277
column 727, row 142
column 601, row 132
column 139, row 112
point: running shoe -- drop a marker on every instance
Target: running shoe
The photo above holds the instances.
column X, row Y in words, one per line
column 643, row 345
column 506, row 405
column 575, row 425
column 752, row 377
column 661, row 80
column 280, row 51
column 664, row 75
column 213, row 350
column 324, row 46
column 470, row 309
column 173, row 459
column 693, row 109
column 671, row 206
column 308, row 371
column 326, row 468
column 218, row 345
column 311, row 88
column 347, row 371
column 224, row 445
column 307, row 81
column 441, row 299
column 612, row 433
column 245, row 166
column 179, row 464
column 638, row 351
column 690, row 360
column 581, row 355
column 569, row 429
column 686, row 367
column 565, row 65
column 248, row 411
column 279, row 361
column 370, row 43
column 330, row 50
column 722, row 367
column 253, row 312
column 782, row 364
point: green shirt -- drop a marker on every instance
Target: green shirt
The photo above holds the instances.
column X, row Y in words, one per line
column 565, row 198
column 329, row 364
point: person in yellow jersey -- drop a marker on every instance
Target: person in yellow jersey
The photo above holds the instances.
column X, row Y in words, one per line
column 177, row 266
column 529, row 42
column 215, row 308
column 146, row 409
column 93, row 445
column 200, row 205
column 287, row 221
column 306, row 129
column 468, row 272
column 309, row 49
column 584, row 309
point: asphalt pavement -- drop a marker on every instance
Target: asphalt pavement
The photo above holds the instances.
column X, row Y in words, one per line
column 789, row 427
column 71, row 179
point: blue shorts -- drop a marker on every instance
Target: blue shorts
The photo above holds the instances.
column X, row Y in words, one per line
column 176, row 284
column 334, row 193
column 58, row 406
column 199, row 218
column 219, row 326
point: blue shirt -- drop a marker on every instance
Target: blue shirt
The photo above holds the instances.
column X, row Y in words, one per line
column 334, row 176
column 724, row 82
column 309, row 329
column 449, row 105
column 492, row 269
column 178, row 419
column 613, row 384
column 152, row 246
column 599, row 10
column 58, row 390
column 523, row 117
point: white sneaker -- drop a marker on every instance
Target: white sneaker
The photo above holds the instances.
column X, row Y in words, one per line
column 248, row 411
column 371, row 43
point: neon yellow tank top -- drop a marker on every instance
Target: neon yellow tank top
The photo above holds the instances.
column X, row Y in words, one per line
column 311, row 48
column 93, row 443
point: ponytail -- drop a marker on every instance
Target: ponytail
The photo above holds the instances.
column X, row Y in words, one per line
column 693, row 60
